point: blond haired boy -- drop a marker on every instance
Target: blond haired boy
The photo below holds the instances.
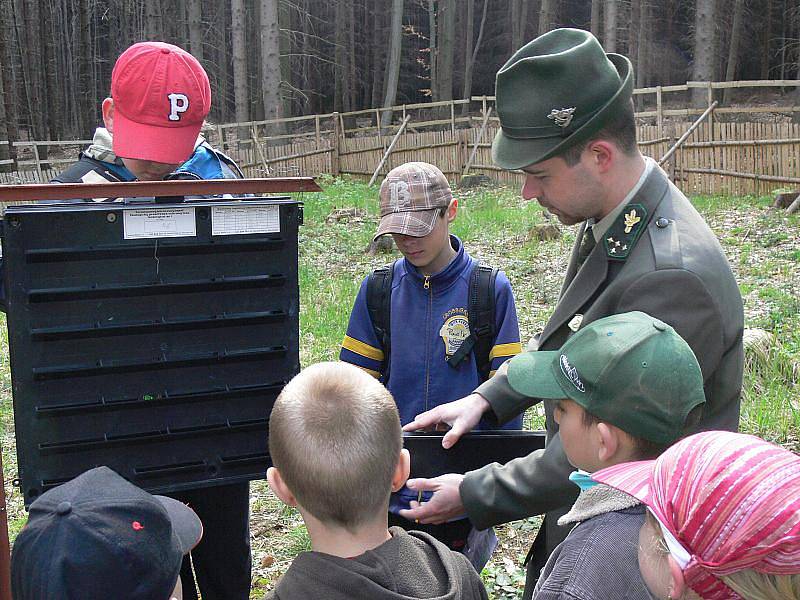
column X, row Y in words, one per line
column 336, row 446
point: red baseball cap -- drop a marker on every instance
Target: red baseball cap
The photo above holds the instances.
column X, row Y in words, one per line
column 161, row 98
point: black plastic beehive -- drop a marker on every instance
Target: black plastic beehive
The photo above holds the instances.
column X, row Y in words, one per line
column 158, row 356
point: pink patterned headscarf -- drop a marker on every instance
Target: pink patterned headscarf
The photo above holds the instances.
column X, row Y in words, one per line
column 731, row 501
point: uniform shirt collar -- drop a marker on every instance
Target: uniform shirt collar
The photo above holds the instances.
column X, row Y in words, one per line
column 600, row 227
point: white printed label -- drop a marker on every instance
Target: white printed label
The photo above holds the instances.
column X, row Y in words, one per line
column 241, row 220
column 159, row 222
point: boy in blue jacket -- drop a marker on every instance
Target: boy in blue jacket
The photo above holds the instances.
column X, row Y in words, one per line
column 428, row 318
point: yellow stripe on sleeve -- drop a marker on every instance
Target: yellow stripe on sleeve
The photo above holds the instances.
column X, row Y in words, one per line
column 362, row 349
column 375, row 374
column 511, row 349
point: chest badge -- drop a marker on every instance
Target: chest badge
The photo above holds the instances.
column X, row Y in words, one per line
column 454, row 331
column 575, row 322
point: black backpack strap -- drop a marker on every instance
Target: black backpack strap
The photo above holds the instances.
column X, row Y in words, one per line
column 379, row 305
column 481, row 313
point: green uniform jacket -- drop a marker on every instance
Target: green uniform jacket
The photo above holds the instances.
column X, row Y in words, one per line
column 668, row 264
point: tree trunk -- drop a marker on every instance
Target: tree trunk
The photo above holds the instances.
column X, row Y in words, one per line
column 153, row 23
column 194, row 17
column 597, row 12
column 9, row 98
column 472, row 55
column 547, row 15
column 341, row 56
column 379, row 69
column 270, row 63
column 633, row 32
column 766, row 39
column 644, row 45
column 703, row 70
column 733, row 49
column 393, row 62
column 610, row 26
column 433, row 47
column 239, row 48
column 447, row 34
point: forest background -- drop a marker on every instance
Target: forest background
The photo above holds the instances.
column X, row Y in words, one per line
column 281, row 58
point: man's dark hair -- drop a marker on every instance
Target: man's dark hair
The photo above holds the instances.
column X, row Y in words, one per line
column 621, row 131
column 647, row 449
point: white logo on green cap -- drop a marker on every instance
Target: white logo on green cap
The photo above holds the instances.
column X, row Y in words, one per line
column 571, row 373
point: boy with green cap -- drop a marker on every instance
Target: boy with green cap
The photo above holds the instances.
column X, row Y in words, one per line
column 624, row 388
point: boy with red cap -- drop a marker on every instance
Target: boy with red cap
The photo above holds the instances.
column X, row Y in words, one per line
column 160, row 97
column 723, row 518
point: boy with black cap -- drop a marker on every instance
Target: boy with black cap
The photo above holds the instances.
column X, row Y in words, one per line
column 98, row 537
column 624, row 388
column 430, row 324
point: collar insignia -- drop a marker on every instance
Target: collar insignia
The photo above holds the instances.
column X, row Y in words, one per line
column 631, row 219
column 562, row 117
column 623, row 234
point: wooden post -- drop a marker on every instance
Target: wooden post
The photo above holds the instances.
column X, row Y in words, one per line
column 660, row 112
column 335, row 165
column 477, row 142
column 5, row 546
column 710, row 116
column 259, row 150
column 453, row 116
column 221, row 140
column 388, row 151
column 316, row 129
column 378, row 125
column 38, row 162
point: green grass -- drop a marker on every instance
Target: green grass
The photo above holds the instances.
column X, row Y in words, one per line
column 763, row 247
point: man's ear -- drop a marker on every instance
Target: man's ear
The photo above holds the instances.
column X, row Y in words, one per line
column 278, row 486
column 677, row 585
column 402, row 470
column 452, row 209
column 108, row 114
column 602, row 154
column 609, row 438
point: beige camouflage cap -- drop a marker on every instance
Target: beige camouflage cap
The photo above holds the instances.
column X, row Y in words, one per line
column 411, row 196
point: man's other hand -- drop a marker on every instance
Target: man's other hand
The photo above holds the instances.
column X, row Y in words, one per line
column 461, row 415
column 444, row 505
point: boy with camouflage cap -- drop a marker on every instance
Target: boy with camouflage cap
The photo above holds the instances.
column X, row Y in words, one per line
column 625, row 388
column 429, row 324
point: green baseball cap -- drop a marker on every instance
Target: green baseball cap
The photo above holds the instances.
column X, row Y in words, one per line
column 555, row 92
column 630, row 370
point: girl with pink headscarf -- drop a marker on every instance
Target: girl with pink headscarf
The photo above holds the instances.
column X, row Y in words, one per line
column 723, row 520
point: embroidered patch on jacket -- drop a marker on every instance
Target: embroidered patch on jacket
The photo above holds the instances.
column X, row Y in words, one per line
column 571, row 373
column 623, row 234
column 454, row 331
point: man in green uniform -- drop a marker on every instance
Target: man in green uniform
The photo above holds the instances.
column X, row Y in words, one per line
column 567, row 121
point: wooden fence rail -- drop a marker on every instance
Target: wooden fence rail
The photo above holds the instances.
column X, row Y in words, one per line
column 751, row 154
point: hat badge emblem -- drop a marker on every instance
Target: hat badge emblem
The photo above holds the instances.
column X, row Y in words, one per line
column 562, row 116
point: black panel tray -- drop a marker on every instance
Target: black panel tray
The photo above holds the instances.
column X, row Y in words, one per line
column 472, row 451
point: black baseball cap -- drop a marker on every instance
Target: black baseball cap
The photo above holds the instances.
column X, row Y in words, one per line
column 98, row 537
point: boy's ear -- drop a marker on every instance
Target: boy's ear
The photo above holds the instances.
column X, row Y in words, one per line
column 609, row 439
column 402, row 470
column 278, row 486
column 108, row 114
column 452, row 209
column 677, row 585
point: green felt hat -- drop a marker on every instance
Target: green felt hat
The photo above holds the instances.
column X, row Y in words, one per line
column 630, row 370
column 555, row 92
